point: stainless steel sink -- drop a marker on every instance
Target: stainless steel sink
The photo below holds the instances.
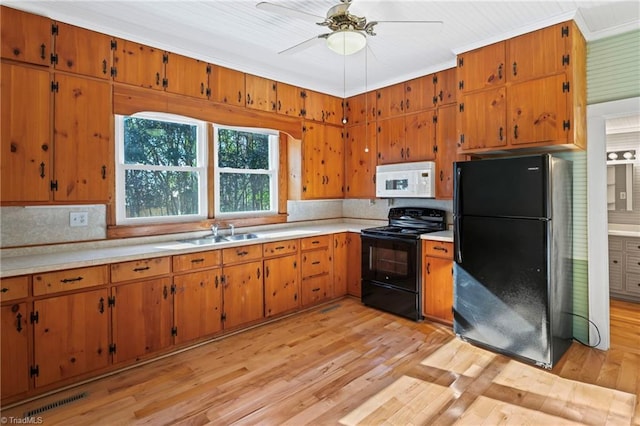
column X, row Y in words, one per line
column 209, row 239
column 241, row 237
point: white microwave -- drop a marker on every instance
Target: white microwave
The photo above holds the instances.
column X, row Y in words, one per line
column 408, row 180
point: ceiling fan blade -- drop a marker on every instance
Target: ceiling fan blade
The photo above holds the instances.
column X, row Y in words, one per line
column 409, row 22
column 284, row 10
column 303, row 45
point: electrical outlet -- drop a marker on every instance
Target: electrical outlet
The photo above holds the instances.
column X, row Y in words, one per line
column 78, row 218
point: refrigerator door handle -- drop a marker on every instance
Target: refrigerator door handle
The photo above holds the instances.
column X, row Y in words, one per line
column 456, row 216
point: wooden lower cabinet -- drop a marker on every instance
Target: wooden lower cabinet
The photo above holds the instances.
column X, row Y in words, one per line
column 142, row 318
column 243, row 294
column 15, row 329
column 354, row 262
column 315, row 289
column 317, row 268
column 71, row 335
column 281, row 284
column 340, row 264
column 437, row 281
column 197, row 305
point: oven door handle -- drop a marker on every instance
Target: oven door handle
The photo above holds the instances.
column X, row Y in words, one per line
column 413, row 241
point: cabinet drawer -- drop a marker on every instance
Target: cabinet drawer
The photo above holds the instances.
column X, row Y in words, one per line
column 315, row 262
column 633, row 247
column 632, row 284
column 71, row 279
column 192, row 261
column 442, row 249
column 14, row 288
column 615, row 270
column 137, row 269
column 633, row 264
column 280, row 247
column 241, row 254
column 615, row 243
column 315, row 289
column 310, row 243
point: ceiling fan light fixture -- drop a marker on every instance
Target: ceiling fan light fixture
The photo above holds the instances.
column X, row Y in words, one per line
column 346, row 42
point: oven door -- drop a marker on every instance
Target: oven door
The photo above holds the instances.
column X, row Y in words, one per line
column 390, row 261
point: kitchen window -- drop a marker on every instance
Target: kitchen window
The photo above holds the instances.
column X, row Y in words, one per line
column 161, row 170
column 245, row 171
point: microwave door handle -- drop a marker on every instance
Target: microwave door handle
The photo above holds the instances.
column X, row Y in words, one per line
column 457, row 216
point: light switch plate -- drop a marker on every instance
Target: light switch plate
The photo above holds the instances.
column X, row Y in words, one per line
column 78, row 218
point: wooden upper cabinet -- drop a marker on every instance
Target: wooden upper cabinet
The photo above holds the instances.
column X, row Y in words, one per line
column 334, row 162
column 81, row 51
column 539, row 53
column 187, row 76
column 139, row 65
column 360, row 161
column 83, row 139
column 391, row 101
column 420, row 136
column 25, row 37
column 391, row 140
column 419, row 94
column 482, row 120
column 26, row 146
column 445, row 151
column 322, row 171
column 290, row 100
column 322, row 107
column 227, row 86
column 482, row 68
column 361, row 108
column 445, row 87
column 261, row 93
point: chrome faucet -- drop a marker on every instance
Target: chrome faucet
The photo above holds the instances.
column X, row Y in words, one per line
column 214, row 229
column 233, row 229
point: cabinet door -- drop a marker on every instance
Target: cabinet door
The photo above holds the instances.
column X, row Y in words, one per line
column 82, row 51
column 360, row 161
column 537, row 110
column 354, row 264
column 482, row 120
column 25, row 37
column 142, row 318
column 71, row 336
column 549, row 45
column 420, row 136
column 340, row 264
column 323, row 161
column 82, row 132
column 391, row 133
column 243, row 294
column 391, row 101
column 197, row 304
column 361, row 108
column 438, row 288
column 446, row 151
column 290, row 100
column 25, row 160
column 187, row 76
column 321, row 107
column 333, row 162
column 227, row 86
column 482, row 68
column 445, row 87
column 315, row 289
column 139, row 65
column 261, row 93
column 281, row 285
column 15, row 350
column 419, row 94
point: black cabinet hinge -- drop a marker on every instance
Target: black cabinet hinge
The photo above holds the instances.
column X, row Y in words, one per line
column 223, row 317
column 111, row 301
column 303, row 112
column 435, row 119
column 460, row 62
column 34, row 317
column 435, row 79
column 54, row 185
column 461, row 84
column 114, row 72
column 564, row 32
column 165, row 58
column 208, row 69
column 173, row 289
column 565, row 87
column 174, row 331
column 54, row 29
column 461, row 107
column 208, row 92
column 165, row 83
column 114, row 44
column 462, row 138
column 34, row 370
column 303, row 94
column 55, row 86
column 54, row 59
column 566, row 125
column 112, row 348
column 565, row 59
column 304, row 189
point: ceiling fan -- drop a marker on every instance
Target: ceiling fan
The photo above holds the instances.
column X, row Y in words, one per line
column 348, row 32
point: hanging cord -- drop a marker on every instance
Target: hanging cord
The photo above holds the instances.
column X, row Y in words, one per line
column 366, row 103
column 344, row 88
column 594, row 326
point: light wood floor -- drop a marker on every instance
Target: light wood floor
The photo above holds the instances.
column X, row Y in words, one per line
column 346, row 364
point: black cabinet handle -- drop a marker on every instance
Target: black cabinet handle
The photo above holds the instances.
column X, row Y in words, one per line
column 317, row 262
column 202, row 88
column 157, row 79
column 239, row 96
column 165, row 292
column 515, row 68
column 144, row 268
column 515, row 131
column 104, row 172
column 266, row 272
column 258, row 273
column 4, row 290
column 429, row 268
column 441, row 249
column 101, row 305
column 615, row 261
column 500, row 72
column 104, row 66
column 42, row 170
column 70, row 280
column 42, row 51
column 500, row 133
column 19, row 322
column 242, row 253
column 200, row 260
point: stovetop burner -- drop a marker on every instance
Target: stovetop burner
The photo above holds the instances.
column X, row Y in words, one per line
column 410, row 222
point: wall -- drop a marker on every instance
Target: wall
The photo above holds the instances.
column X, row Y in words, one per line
column 622, row 141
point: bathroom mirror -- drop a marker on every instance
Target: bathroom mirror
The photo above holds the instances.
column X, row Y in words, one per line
column 620, row 187
column 623, row 162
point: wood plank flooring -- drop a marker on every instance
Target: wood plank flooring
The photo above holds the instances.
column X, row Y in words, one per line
column 343, row 363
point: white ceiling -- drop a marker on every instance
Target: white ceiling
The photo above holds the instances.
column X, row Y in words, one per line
column 236, row 34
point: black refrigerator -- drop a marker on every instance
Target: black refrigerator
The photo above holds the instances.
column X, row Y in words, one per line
column 513, row 256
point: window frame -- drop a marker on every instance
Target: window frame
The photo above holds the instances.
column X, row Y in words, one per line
column 273, row 172
column 201, row 169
